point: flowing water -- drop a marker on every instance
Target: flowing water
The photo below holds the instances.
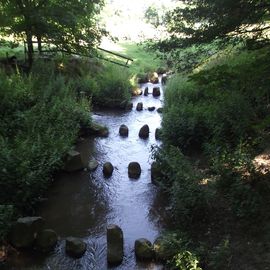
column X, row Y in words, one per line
column 82, row 204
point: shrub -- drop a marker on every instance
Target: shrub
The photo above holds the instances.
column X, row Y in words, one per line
column 188, row 197
column 114, row 87
column 41, row 119
column 186, row 261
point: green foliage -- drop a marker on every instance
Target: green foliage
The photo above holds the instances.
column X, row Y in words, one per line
column 218, row 103
column 6, row 217
column 186, row 261
column 220, row 256
column 197, row 22
column 40, row 119
column 182, row 181
column 114, row 87
column 61, row 23
column 221, row 110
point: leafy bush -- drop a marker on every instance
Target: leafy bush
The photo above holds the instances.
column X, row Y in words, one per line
column 40, row 121
column 6, row 217
column 217, row 104
column 114, row 87
column 182, row 181
column 186, row 261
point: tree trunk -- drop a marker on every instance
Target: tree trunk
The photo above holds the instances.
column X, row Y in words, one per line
column 30, row 48
column 39, row 44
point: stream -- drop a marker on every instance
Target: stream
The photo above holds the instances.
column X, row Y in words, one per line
column 82, row 204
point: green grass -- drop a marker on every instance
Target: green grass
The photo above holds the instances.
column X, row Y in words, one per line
column 143, row 61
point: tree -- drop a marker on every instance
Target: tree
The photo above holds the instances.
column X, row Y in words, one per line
column 202, row 21
column 67, row 24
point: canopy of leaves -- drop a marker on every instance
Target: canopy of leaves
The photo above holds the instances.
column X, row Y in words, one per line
column 66, row 24
column 202, row 21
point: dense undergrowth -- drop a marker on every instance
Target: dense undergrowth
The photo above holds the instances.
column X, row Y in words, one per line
column 41, row 114
column 220, row 201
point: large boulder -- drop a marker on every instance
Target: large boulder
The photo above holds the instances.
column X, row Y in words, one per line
column 146, row 91
column 75, row 247
column 46, row 240
column 92, row 165
column 144, row 250
column 156, row 92
column 115, row 245
column 123, row 131
column 139, row 106
column 24, row 231
column 158, row 134
column 156, row 173
column 144, row 132
column 108, row 169
column 73, row 161
column 134, row 170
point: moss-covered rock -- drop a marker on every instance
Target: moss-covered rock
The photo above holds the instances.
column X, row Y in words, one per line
column 75, row 247
column 144, row 250
column 123, row 131
column 134, row 170
column 156, row 92
column 144, row 132
column 73, row 161
column 108, row 169
column 115, row 245
column 24, row 231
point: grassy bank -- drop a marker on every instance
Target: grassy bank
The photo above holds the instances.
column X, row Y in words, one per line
column 220, row 202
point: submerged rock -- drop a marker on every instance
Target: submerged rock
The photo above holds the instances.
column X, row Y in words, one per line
column 115, row 245
column 156, row 91
column 75, row 247
column 139, row 106
column 134, row 170
column 73, row 161
column 144, row 250
column 46, row 240
column 24, row 231
column 144, row 132
column 146, row 91
column 108, row 169
column 123, row 131
column 150, row 109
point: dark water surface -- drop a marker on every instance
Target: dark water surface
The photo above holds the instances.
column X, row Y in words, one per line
column 82, row 204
